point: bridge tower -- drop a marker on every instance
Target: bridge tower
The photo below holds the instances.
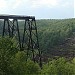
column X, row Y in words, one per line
column 28, row 39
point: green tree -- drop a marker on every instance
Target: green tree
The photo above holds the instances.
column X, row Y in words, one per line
column 22, row 67
column 7, row 50
column 59, row 67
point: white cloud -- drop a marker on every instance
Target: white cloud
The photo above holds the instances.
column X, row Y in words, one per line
column 50, row 3
column 11, row 4
column 16, row 3
column 3, row 4
column 67, row 4
column 44, row 3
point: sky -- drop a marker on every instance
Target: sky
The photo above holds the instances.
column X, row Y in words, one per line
column 41, row 9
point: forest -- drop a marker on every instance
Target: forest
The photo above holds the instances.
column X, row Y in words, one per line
column 56, row 42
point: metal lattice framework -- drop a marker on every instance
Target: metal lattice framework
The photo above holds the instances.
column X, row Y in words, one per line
column 29, row 40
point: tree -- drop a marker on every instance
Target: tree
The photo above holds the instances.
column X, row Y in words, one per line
column 7, row 50
column 22, row 67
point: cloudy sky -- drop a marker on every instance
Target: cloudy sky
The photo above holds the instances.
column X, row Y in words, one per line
column 39, row 8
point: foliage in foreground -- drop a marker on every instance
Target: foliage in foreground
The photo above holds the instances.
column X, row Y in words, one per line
column 13, row 62
column 59, row 67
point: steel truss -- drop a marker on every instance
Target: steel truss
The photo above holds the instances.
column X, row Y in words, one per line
column 29, row 40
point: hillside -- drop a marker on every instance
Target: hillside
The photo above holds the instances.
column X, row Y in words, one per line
column 57, row 44
column 56, row 36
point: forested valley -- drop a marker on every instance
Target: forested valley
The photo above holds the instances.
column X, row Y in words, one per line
column 57, row 45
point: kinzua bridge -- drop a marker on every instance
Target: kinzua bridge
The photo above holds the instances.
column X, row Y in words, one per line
column 28, row 40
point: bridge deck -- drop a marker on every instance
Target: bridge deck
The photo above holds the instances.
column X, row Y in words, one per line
column 16, row 17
